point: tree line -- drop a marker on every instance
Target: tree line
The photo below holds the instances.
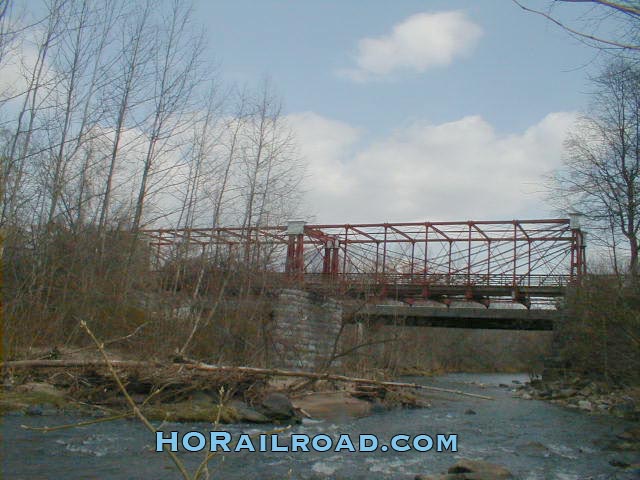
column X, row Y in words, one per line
column 113, row 115
column 113, row 118
column 600, row 179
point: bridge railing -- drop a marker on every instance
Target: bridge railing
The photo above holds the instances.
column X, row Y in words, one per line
column 435, row 279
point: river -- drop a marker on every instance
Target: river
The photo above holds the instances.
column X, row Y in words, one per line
column 533, row 439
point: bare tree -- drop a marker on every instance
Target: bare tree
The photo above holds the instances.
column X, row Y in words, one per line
column 72, row 63
column 625, row 13
column 233, row 130
column 7, row 33
column 601, row 172
column 18, row 149
column 177, row 76
column 271, row 171
column 133, row 58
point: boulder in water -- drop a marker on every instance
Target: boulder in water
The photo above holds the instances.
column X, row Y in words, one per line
column 277, row 407
column 480, row 470
column 247, row 414
column 466, row 469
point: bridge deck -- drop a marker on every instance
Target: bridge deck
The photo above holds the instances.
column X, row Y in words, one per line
column 477, row 318
column 419, row 290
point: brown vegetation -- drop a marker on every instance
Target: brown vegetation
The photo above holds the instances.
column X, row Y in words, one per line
column 600, row 335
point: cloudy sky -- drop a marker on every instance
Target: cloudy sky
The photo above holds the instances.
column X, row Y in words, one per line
column 412, row 110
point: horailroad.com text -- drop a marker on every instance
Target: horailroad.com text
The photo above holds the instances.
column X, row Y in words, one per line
column 226, row 442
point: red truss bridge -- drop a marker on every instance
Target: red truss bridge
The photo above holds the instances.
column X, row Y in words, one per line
column 516, row 260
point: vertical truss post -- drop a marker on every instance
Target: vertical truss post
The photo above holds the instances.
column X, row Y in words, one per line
column 331, row 259
column 384, row 252
column 469, row 257
column 529, row 264
column 449, row 263
column 578, row 257
column 295, row 249
column 413, row 256
column 299, row 260
column 515, row 253
column 335, row 258
column 326, row 259
column 488, row 262
column 346, row 242
column 158, row 260
column 426, row 250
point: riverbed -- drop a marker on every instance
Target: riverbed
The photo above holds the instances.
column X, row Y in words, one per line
column 533, row 439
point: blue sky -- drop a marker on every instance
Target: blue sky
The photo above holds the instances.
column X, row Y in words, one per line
column 402, row 90
column 521, row 69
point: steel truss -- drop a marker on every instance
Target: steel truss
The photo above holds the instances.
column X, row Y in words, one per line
column 520, row 254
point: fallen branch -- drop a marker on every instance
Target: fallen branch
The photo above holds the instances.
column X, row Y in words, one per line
column 78, row 363
column 324, row 376
column 203, row 367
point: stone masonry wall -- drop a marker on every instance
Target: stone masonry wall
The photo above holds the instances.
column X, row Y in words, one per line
column 304, row 329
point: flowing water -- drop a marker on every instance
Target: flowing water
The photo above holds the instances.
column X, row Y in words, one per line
column 534, row 439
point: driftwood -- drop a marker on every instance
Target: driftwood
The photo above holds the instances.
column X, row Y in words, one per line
column 203, row 367
column 325, row 376
column 78, row 363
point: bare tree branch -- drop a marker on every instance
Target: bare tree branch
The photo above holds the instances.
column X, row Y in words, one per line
column 587, row 36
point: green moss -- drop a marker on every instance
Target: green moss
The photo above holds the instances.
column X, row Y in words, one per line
column 18, row 401
column 191, row 412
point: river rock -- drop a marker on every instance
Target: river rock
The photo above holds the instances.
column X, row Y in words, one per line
column 40, row 388
column 626, row 408
column 248, row 414
column 565, row 393
column 631, row 434
column 585, row 405
column 534, row 449
column 337, row 406
column 33, row 410
column 619, row 463
column 469, row 411
column 480, row 470
column 466, row 469
column 627, row 441
column 278, row 407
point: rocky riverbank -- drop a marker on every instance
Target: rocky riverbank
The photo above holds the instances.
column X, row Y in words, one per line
column 594, row 398
column 587, row 395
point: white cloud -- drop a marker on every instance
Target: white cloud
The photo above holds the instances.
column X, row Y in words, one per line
column 453, row 171
column 13, row 80
column 420, row 42
column 326, row 145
